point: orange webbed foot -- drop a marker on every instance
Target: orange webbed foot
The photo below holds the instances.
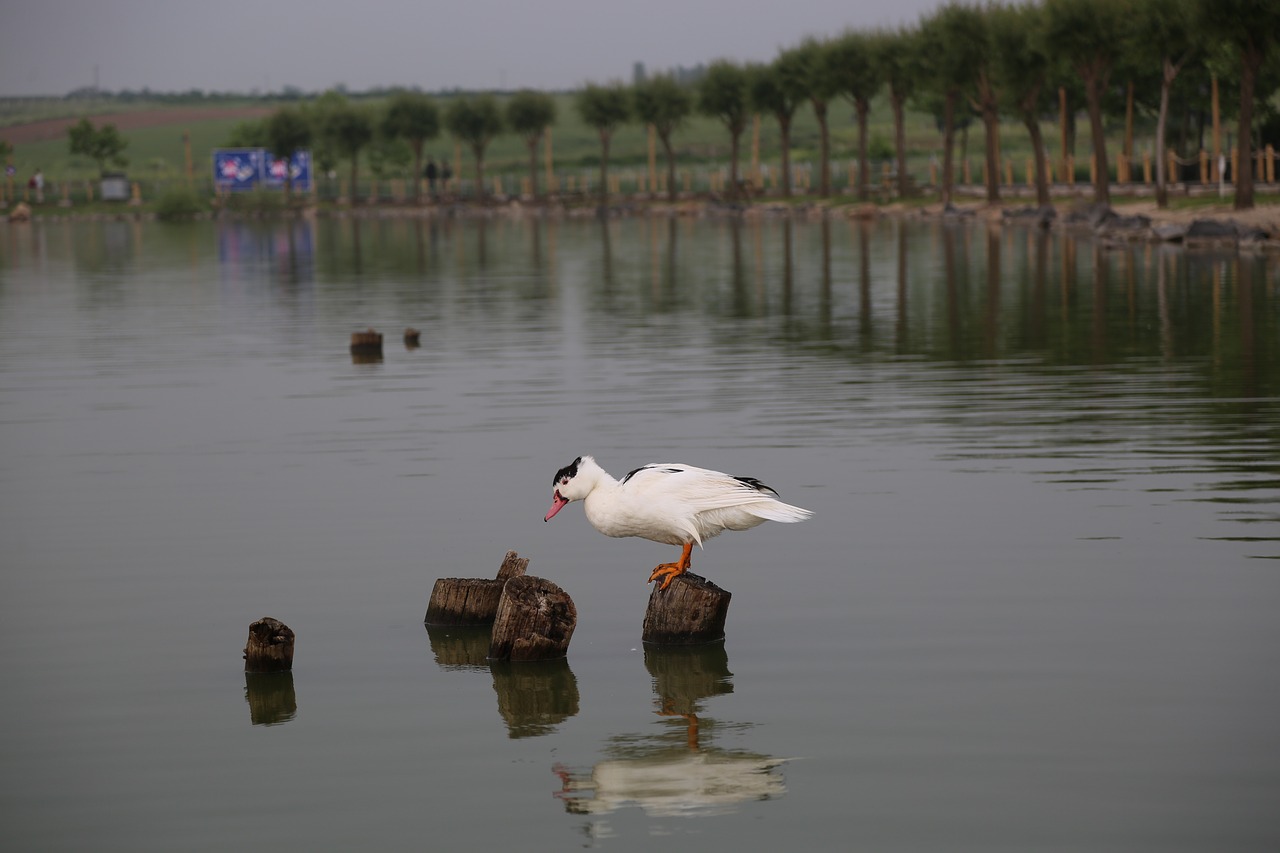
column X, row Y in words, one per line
column 668, row 572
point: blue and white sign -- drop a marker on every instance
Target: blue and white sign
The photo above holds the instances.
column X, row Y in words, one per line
column 252, row 168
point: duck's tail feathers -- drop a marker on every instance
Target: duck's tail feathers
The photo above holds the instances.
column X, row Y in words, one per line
column 778, row 511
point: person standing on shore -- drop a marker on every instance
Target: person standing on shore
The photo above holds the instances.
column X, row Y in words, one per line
column 431, row 174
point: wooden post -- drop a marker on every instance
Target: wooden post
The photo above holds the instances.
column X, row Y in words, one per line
column 1031, row 171
column 188, row 167
column 1146, row 167
column 1070, row 165
column 535, row 621
column 135, row 195
column 1204, row 166
column 270, row 646
column 472, row 601
column 457, row 167
column 1008, row 172
column 366, row 344
column 1171, row 168
column 691, row 610
column 1271, row 164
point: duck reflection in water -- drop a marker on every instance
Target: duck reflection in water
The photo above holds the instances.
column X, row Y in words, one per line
column 676, row 773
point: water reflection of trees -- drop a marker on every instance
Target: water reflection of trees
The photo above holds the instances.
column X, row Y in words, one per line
column 676, row 769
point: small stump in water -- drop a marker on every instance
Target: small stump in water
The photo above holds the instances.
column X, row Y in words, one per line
column 535, row 621
column 270, row 647
column 472, row 601
column 366, row 347
column 412, row 338
column 690, row 611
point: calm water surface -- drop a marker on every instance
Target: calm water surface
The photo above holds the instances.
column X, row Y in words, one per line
column 1036, row 608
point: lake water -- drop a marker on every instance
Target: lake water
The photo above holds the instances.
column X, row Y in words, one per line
column 1038, row 607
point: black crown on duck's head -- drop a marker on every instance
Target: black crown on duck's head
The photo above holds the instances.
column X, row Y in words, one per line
column 569, row 471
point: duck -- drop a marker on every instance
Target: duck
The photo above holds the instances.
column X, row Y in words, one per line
column 671, row 503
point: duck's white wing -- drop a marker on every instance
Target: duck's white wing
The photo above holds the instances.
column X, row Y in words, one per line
column 703, row 490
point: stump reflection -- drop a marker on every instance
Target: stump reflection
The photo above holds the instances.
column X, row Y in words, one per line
column 676, row 770
column 534, row 696
column 271, row 698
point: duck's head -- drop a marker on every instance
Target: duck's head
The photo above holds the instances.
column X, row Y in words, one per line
column 569, row 485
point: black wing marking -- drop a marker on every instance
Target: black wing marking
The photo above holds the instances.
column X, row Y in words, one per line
column 630, row 474
column 752, row 482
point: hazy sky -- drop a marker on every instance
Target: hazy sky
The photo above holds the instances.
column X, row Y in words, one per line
column 53, row 46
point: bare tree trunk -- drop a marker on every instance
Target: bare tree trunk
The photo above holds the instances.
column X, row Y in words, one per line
column 1032, row 121
column 1249, row 65
column 899, row 141
column 671, row 166
column 991, row 123
column 862, row 107
column 532, row 142
column 948, row 146
column 1094, row 85
column 604, row 168
column 417, row 168
column 784, row 128
column 1162, row 187
column 478, row 152
column 824, row 148
column 734, row 137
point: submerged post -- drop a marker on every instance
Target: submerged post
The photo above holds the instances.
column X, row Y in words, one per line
column 691, row 610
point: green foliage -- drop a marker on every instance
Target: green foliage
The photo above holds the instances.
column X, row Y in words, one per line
column 288, row 131
column 177, row 203
column 722, row 94
column 663, row 103
column 604, row 108
column 247, row 134
column 6, row 150
column 474, row 120
column 530, row 113
column 102, row 145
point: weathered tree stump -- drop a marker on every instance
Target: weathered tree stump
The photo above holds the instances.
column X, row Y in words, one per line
column 463, row 601
column 690, row 611
column 366, row 347
column 472, row 601
column 535, row 621
column 270, row 646
column 412, row 338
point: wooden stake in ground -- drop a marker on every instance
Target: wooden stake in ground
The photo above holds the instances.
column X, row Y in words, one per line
column 535, row 621
column 691, row 610
column 472, row 601
column 270, row 646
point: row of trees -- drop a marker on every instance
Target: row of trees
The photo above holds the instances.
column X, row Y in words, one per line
column 961, row 61
column 341, row 128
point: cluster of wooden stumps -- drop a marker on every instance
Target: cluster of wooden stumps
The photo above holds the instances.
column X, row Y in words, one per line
column 366, row 346
column 533, row 619
column 529, row 619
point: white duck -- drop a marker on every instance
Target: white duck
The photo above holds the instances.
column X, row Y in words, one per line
column 669, row 502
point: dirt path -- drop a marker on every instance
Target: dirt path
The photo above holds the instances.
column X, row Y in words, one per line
column 56, row 128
